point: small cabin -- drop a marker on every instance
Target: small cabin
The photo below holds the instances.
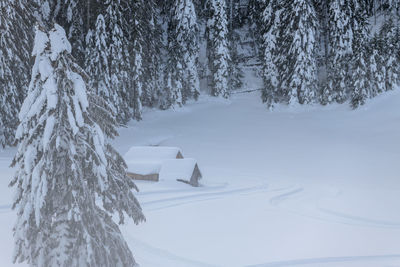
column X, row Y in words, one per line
column 161, row 164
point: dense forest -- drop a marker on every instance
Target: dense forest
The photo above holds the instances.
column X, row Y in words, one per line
column 151, row 53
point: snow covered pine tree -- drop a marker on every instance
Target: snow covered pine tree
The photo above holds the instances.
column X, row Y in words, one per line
column 183, row 52
column 270, row 34
column 15, row 44
column 298, row 44
column 217, row 48
column 65, row 169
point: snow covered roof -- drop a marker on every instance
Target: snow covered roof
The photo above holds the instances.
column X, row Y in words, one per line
column 144, row 167
column 152, row 153
column 177, row 169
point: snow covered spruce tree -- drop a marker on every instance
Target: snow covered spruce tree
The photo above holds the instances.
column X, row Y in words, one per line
column 217, row 48
column 340, row 43
column 270, row 53
column 108, row 60
column 74, row 16
column 377, row 66
column 298, row 46
column 15, row 45
column 361, row 84
column 65, row 168
column 183, row 51
column 138, row 31
column 146, row 30
column 389, row 52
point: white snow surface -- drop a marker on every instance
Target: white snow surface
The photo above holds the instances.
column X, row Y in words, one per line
column 300, row 186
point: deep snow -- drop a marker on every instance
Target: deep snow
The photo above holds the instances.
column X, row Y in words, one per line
column 302, row 186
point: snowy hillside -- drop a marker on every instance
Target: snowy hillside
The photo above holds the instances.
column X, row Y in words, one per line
column 306, row 186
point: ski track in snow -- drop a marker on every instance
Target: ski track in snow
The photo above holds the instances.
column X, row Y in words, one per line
column 361, row 220
column 316, row 261
column 280, row 198
column 197, row 197
column 165, row 255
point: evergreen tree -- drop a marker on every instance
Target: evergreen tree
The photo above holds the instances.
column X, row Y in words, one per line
column 236, row 73
column 108, row 61
column 270, row 53
column 74, row 16
column 361, row 87
column 377, row 67
column 64, row 165
column 361, row 77
column 16, row 17
column 389, row 51
column 298, row 46
column 117, row 28
column 340, row 44
column 183, row 52
column 217, row 48
column 151, row 41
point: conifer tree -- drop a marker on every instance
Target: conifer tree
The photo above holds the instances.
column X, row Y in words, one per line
column 341, row 37
column 236, row 73
column 15, row 45
column 361, row 86
column 270, row 53
column 108, row 61
column 64, row 166
column 298, row 46
column 151, row 41
column 183, row 52
column 116, row 27
column 217, row 48
column 377, row 67
column 389, row 41
column 361, row 82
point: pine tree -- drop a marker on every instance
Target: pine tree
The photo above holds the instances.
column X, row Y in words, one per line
column 16, row 18
column 217, row 48
column 116, row 27
column 389, row 41
column 341, row 37
column 377, row 67
column 108, row 61
column 73, row 16
column 149, row 35
column 64, row 165
column 183, row 52
column 270, row 35
column 235, row 71
column 298, row 45
column 361, row 77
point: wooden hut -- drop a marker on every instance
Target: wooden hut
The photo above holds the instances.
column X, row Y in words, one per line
column 161, row 164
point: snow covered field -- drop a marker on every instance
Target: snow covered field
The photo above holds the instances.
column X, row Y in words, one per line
column 303, row 186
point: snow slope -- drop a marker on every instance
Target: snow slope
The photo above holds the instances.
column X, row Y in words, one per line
column 307, row 186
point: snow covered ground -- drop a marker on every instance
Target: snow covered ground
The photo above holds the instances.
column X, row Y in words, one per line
column 302, row 186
